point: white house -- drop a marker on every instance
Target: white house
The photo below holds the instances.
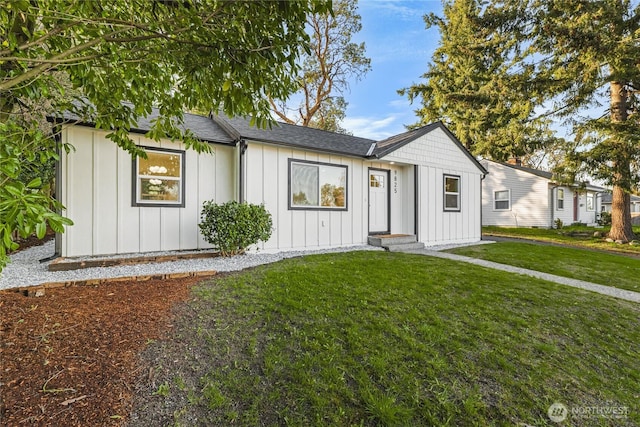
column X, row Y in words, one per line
column 517, row 196
column 323, row 189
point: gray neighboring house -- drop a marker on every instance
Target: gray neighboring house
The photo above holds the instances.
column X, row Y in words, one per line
column 606, row 203
column 517, row 196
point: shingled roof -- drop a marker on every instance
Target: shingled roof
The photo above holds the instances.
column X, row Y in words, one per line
column 299, row 137
column 202, row 127
column 542, row 174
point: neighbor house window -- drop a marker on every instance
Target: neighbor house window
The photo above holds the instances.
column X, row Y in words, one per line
column 502, row 200
column 451, row 193
column 158, row 180
column 560, row 199
column 591, row 202
column 314, row 185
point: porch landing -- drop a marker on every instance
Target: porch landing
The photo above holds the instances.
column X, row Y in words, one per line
column 396, row 242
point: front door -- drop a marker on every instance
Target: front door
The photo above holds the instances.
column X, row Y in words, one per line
column 378, row 201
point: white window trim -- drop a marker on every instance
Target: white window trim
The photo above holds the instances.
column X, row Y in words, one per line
column 449, row 193
column 558, row 208
column 508, row 200
column 593, row 204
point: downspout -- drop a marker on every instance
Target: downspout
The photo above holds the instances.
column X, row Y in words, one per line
column 553, row 187
column 243, row 148
column 416, row 200
column 482, row 179
column 57, row 136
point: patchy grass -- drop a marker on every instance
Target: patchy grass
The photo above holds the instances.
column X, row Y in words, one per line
column 575, row 235
column 388, row 339
column 619, row 271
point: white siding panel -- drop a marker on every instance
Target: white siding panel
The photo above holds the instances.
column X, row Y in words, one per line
column 97, row 185
column 530, row 198
column 105, row 210
column 79, row 201
column 128, row 225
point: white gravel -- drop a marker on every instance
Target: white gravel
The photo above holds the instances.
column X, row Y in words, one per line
column 25, row 268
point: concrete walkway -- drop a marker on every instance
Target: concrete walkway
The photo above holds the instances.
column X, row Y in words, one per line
column 601, row 289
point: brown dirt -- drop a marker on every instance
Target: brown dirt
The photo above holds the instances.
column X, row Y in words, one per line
column 71, row 357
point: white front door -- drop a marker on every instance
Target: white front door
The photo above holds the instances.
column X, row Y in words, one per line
column 378, row 201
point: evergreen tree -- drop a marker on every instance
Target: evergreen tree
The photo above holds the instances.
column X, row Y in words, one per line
column 477, row 82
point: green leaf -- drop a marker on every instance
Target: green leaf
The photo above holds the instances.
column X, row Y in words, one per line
column 41, row 230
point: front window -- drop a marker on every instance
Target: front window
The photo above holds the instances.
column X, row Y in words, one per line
column 590, row 202
column 560, row 199
column 158, row 180
column 451, row 193
column 502, row 200
column 314, row 185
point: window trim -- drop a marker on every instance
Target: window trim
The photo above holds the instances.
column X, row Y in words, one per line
column 445, row 193
column 135, row 202
column 558, row 199
column 593, row 201
column 508, row 200
column 293, row 207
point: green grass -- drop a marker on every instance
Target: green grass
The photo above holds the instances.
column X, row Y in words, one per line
column 592, row 266
column 574, row 235
column 387, row 339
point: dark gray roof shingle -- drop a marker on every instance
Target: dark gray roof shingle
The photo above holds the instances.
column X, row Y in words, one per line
column 299, row 137
column 202, row 127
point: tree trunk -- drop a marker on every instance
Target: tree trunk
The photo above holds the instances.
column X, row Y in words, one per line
column 621, row 215
column 621, row 228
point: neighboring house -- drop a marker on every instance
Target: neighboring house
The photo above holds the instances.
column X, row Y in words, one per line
column 606, row 203
column 517, row 196
column 323, row 189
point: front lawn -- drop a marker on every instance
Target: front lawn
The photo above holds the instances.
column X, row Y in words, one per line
column 598, row 267
column 388, row 339
column 574, row 235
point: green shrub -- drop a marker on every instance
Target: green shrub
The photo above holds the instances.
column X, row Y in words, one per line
column 558, row 223
column 232, row 227
column 604, row 218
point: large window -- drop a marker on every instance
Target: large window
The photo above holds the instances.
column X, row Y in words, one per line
column 560, row 199
column 591, row 202
column 158, row 180
column 451, row 193
column 314, row 185
column 502, row 200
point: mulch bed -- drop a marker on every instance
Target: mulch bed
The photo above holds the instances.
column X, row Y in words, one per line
column 70, row 357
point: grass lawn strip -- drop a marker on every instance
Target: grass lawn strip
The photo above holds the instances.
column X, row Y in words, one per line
column 369, row 338
column 595, row 267
column 579, row 236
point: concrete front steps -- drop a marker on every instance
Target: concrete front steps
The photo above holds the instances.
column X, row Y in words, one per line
column 396, row 242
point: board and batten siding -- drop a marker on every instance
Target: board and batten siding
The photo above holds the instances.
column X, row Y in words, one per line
column 267, row 179
column 437, row 155
column 96, row 191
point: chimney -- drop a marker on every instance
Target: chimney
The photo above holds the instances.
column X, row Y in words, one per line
column 515, row 161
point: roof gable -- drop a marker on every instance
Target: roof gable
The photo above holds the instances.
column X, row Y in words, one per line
column 394, row 143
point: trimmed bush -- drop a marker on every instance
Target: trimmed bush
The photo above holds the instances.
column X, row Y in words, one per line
column 232, row 227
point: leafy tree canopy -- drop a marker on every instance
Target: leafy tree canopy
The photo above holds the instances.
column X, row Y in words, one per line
column 111, row 61
column 326, row 69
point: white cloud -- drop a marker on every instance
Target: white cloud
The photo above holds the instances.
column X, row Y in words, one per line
column 372, row 127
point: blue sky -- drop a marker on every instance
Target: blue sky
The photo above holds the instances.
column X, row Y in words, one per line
column 400, row 47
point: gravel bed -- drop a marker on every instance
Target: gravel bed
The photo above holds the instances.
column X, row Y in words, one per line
column 25, row 268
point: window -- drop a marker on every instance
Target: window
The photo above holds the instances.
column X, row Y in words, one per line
column 502, row 200
column 590, row 202
column 159, row 179
column 314, row 185
column 451, row 193
column 560, row 199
